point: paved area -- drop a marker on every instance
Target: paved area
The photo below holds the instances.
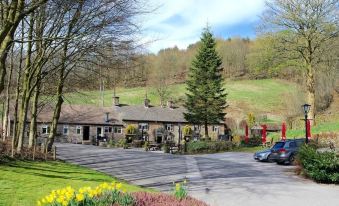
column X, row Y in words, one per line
column 223, row 179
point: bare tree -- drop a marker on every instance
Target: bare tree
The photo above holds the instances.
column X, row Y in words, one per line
column 305, row 28
column 11, row 13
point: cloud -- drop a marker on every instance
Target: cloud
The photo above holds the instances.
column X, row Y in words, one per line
column 180, row 22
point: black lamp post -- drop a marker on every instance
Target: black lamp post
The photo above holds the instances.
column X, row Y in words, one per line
column 306, row 108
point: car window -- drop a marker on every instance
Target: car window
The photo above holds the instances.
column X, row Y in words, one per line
column 278, row 145
column 293, row 145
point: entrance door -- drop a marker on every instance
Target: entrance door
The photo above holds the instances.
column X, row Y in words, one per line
column 85, row 134
column 99, row 133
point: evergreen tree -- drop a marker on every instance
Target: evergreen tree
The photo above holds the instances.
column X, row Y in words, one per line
column 206, row 97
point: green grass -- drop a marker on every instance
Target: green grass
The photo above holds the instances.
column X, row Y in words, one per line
column 251, row 95
column 24, row 182
column 248, row 149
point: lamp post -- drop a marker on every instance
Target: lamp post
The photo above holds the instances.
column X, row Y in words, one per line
column 306, row 108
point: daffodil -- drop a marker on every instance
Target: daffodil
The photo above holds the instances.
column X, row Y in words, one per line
column 38, row 203
column 80, row 197
column 118, row 186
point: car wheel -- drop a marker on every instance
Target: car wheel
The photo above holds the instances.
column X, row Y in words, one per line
column 291, row 160
column 281, row 163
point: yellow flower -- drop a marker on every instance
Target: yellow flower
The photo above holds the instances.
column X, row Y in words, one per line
column 49, row 199
column 38, row 203
column 185, row 181
column 177, row 186
column 64, row 203
column 118, row 186
column 43, row 201
column 79, row 197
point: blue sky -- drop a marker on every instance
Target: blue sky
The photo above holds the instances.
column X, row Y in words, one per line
column 180, row 22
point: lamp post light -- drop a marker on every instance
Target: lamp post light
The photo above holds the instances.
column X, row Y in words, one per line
column 306, row 108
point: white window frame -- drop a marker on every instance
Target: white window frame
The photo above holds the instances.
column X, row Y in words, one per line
column 63, row 130
column 117, row 130
column 169, row 127
column 143, row 126
column 215, row 129
column 78, row 129
column 46, row 127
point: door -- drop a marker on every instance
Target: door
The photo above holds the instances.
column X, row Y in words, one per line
column 99, row 133
column 85, row 134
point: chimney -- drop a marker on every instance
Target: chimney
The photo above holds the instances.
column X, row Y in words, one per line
column 116, row 101
column 170, row 104
column 146, row 102
column 107, row 117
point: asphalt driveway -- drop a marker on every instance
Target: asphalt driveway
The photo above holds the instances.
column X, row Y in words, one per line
column 223, row 179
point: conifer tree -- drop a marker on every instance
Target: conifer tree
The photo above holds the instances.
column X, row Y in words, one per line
column 206, row 96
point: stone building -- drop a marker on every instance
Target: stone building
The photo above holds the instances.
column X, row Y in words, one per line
column 88, row 124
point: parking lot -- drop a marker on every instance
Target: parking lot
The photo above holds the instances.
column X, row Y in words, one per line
column 222, row 179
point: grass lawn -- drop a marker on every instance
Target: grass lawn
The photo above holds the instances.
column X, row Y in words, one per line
column 251, row 95
column 22, row 183
column 248, row 149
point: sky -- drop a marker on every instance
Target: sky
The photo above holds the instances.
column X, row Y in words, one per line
column 180, row 22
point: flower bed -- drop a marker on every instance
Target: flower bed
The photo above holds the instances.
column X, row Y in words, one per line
column 114, row 195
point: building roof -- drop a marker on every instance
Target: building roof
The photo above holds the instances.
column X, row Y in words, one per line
column 80, row 114
column 152, row 113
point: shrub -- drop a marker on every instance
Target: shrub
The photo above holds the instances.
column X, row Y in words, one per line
column 131, row 129
column 187, row 130
column 137, row 143
column 322, row 167
column 236, row 140
column 161, row 199
column 195, row 147
column 254, row 141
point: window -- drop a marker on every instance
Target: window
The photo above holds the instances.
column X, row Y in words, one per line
column 110, row 129
column 169, row 127
column 143, row 126
column 293, row 145
column 45, row 129
column 78, row 129
column 196, row 128
column 106, row 129
column 65, row 130
column 215, row 129
column 118, row 130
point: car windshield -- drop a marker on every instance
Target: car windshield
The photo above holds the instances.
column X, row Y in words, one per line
column 278, row 145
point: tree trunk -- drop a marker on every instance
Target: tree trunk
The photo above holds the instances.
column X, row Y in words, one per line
column 17, row 93
column 206, row 130
column 26, row 95
column 310, row 85
column 5, row 124
column 33, row 125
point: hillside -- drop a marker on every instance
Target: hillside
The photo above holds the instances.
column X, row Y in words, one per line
column 258, row 96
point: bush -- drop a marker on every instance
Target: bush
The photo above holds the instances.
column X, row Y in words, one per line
column 236, row 140
column 131, row 129
column 161, row 199
column 195, row 147
column 253, row 142
column 138, row 143
column 322, row 167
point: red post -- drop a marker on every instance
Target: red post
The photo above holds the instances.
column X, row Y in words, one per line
column 246, row 134
column 263, row 133
column 308, row 129
column 283, row 131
